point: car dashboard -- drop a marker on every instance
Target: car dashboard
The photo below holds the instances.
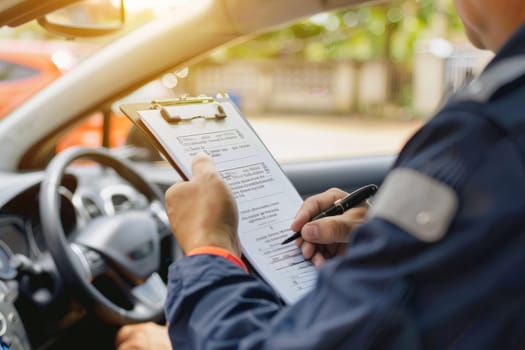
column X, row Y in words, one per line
column 35, row 303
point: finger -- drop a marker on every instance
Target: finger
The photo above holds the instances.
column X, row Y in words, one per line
column 318, row 259
column 301, row 218
column 127, row 346
column 308, row 250
column 202, row 164
column 334, row 229
column 356, row 215
column 314, row 205
column 123, row 335
column 327, row 231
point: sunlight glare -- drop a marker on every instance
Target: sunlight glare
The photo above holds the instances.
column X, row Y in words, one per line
column 159, row 6
column 64, row 60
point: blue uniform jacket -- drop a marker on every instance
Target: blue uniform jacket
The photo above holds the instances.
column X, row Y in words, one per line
column 442, row 269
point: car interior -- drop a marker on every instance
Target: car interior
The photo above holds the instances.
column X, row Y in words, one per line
column 85, row 242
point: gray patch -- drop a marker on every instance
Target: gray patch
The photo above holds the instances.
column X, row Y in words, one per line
column 417, row 203
column 485, row 86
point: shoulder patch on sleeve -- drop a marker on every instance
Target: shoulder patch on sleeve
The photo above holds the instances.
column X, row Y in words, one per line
column 417, row 203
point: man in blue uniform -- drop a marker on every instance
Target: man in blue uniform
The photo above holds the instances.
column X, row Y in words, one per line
column 439, row 262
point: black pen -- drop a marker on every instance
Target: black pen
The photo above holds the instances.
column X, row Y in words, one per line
column 340, row 206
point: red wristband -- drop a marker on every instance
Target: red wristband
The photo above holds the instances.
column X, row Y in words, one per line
column 226, row 254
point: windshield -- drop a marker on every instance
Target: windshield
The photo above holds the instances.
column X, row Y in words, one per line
column 359, row 80
column 31, row 57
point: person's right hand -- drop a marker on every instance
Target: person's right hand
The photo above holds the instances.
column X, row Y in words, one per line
column 327, row 237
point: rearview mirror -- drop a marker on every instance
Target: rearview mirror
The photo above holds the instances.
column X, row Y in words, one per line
column 88, row 18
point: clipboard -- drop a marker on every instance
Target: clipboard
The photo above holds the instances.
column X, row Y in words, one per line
column 266, row 200
column 131, row 110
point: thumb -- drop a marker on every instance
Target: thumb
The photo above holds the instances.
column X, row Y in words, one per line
column 202, row 164
column 328, row 230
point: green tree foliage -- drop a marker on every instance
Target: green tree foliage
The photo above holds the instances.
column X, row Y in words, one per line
column 382, row 31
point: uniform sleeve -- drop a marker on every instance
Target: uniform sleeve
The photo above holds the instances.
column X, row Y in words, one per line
column 226, row 254
column 215, row 305
column 396, row 287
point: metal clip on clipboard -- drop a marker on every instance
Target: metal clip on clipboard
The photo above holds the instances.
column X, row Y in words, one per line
column 184, row 100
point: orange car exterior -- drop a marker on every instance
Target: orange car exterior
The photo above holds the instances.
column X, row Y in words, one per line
column 89, row 132
column 21, row 76
column 28, row 67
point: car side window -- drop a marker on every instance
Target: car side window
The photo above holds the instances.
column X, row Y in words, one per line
column 10, row 71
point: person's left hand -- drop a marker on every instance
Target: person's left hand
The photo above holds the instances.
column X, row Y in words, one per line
column 143, row 336
column 202, row 211
column 327, row 237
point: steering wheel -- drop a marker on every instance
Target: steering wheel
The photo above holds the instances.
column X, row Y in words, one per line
column 124, row 247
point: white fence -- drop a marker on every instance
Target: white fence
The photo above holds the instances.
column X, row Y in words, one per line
column 437, row 76
column 293, row 86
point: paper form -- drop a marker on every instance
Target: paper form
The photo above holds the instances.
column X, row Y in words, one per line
column 266, row 199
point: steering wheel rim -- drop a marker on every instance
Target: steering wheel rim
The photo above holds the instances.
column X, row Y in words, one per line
column 148, row 303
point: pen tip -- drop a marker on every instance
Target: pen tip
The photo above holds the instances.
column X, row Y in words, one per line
column 292, row 238
column 287, row 240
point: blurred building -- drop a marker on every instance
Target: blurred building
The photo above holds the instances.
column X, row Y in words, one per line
column 341, row 87
column 293, row 86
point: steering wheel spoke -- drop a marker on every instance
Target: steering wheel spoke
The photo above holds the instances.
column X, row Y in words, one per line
column 92, row 262
column 161, row 218
column 152, row 292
